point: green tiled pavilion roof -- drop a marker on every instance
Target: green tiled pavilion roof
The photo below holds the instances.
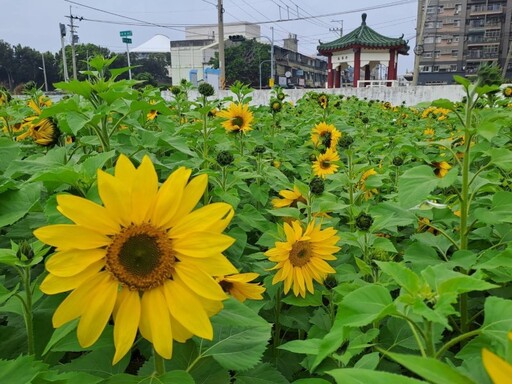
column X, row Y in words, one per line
column 364, row 36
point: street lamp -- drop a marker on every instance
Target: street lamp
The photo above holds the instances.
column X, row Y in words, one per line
column 264, row 61
column 272, row 62
column 44, row 74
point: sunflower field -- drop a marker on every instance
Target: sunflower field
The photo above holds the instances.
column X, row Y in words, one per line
column 203, row 240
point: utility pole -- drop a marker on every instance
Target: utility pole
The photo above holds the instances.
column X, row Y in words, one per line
column 44, row 74
column 73, row 38
column 418, row 50
column 63, row 45
column 340, row 29
column 272, row 63
column 222, row 59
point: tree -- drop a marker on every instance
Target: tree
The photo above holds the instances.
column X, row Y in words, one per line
column 243, row 61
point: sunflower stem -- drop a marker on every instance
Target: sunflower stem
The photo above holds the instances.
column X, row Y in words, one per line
column 159, row 363
column 26, row 302
column 350, row 170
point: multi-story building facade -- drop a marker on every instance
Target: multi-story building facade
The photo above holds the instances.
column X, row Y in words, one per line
column 461, row 35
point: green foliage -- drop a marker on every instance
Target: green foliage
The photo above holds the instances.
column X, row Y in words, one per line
column 418, row 290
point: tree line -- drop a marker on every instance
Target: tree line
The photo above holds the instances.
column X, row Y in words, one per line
column 20, row 65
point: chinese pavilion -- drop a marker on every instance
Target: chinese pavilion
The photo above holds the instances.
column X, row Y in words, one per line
column 361, row 49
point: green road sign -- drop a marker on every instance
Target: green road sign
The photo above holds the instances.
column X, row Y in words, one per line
column 125, row 33
column 127, row 40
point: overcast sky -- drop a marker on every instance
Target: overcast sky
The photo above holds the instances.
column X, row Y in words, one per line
column 35, row 23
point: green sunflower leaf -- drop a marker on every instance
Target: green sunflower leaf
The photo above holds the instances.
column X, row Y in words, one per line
column 262, row 374
column 415, row 185
column 240, row 337
column 367, row 376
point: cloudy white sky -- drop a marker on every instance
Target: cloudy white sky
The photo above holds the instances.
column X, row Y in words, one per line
column 35, row 23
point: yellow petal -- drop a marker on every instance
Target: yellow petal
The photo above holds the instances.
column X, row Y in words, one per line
column 154, row 310
column 70, row 236
column 201, row 244
column 169, row 197
column 187, row 309
column 96, row 315
column 72, row 262
column 125, row 170
column 179, row 332
column 126, row 322
column 199, row 282
column 73, row 305
column 116, row 197
column 56, row 284
column 144, row 190
column 215, row 265
column 498, row 369
column 191, row 196
column 201, row 219
column 87, row 214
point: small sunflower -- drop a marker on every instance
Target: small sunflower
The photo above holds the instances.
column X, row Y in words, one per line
column 302, row 257
column 441, row 168
column 507, row 92
column 144, row 258
column 323, row 100
column 290, row 198
column 429, row 132
column 367, row 192
column 45, row 132
column 240, row 287
column 326, row 135
column 239, row 118
column 325, row 163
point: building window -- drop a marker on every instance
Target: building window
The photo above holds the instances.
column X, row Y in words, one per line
column 455, row 38
column 426, row 68
column 456, row 22
column 429, row 40
column 455, row 52
column 435, row 68
column 437, row 54
column 427, row 54
column 453, row 67
column 458, row 8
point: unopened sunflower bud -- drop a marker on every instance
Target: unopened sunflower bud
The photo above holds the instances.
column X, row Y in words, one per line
column 317, row 186
column 259, row 149
column 25, row 251
column 205, row 89
column 175, row 90
column 365, row 120
column 345, row 141
column 224, row 158
column 398, row 161
column 364, row 221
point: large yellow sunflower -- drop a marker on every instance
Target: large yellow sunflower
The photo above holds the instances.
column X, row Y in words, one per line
column 239, row 118
column 325, row 163
column 326, row 135
column 144, row 256
column 289, row 198
column 302, row 257
column 240, row 287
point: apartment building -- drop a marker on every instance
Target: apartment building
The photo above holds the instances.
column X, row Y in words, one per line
column 459, row 36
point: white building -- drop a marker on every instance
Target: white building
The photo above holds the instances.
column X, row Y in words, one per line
column 190, row 57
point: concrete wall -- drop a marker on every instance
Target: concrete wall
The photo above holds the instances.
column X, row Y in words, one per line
column 396, row 95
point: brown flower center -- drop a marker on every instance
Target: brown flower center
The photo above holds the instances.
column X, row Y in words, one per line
column 237, row 121
column 300, row 253
column 226, row 285
column 325, row 164
column 141, row 257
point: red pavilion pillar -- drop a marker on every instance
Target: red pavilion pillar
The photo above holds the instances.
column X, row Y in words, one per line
column 357, row 66
column 329, row 72
column 337, row 77
column 392, row 65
